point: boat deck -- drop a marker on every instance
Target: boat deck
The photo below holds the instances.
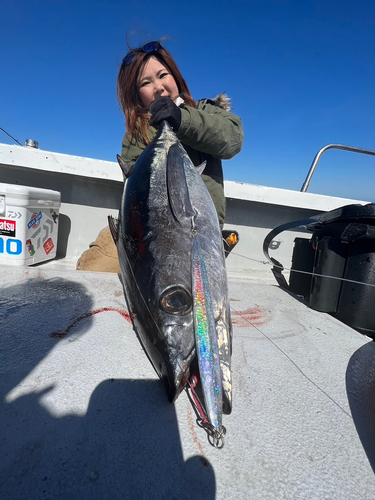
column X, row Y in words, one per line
column 84, row 416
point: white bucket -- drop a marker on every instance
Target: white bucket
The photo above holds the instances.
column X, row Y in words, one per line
column 29, row 220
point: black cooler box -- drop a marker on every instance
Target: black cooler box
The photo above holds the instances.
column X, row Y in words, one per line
column 335, row 270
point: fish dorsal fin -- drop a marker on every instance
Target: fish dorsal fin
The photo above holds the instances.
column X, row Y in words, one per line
column 113, row 227
column 200, row 168
column 126, row 168
column 177, row 188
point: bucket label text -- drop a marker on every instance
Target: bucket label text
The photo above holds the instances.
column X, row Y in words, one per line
column 10, row 247
column 8, row 227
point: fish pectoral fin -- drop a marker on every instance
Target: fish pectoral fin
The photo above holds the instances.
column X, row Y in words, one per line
column 126, row 168
column 177, row 188
column 113, row 227
column 200, row 168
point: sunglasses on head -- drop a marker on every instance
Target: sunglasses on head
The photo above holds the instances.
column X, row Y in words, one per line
column 149, row 47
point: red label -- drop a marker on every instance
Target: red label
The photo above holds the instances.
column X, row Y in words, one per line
column 8, row 227
column 48, row 246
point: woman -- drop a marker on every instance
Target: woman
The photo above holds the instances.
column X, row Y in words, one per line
column 150, row 88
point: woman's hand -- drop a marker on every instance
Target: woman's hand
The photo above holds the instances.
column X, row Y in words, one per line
column 163, row 108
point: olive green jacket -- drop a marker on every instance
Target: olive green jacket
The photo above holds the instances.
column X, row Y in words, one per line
column 208, row 133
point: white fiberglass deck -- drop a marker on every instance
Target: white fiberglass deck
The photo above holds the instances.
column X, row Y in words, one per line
column 84, row 416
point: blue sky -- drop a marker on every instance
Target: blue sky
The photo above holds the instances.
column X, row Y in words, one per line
column 301, row 75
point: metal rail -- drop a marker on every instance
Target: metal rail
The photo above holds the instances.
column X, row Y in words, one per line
column 323, row 150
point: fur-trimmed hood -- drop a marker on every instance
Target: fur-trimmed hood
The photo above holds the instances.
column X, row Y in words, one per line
column 223, row 101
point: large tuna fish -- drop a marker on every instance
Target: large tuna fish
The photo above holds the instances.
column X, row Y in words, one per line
column 173, row 269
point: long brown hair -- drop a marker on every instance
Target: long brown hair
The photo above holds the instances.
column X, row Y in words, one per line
column 137, row 117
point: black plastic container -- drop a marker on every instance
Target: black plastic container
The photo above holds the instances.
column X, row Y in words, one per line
column 341, row 258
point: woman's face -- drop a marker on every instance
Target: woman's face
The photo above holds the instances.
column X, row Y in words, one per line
column 154, row 81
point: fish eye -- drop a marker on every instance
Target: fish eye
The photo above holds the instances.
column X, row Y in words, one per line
column 176, row 300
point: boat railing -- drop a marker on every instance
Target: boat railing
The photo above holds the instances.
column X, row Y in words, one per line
column 323, row 150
